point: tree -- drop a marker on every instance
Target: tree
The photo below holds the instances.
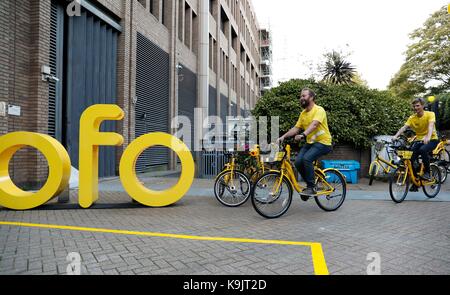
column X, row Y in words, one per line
column 358, row 79
column 336, row 70
column 427, row 65
column 355, row 113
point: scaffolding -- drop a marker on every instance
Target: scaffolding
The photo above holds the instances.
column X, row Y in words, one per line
column 265, row 41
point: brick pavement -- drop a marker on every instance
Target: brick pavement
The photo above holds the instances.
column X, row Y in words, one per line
column 412, row 238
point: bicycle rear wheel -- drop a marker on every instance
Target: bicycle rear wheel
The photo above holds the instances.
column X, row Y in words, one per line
column 271, row 196
column 443, row 170
column 372, row 172
column 444, row 157
column 232, row 188
column 432, row 190
column 334, row 200
column 399, row 184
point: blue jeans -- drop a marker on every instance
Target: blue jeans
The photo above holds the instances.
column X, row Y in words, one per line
column 424, row 150
column 305, row 160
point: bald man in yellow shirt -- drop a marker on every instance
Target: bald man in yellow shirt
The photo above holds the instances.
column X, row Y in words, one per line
column 423, row 123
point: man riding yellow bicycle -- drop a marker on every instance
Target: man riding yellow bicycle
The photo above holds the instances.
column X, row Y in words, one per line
column 313, row 120
column 423, row 124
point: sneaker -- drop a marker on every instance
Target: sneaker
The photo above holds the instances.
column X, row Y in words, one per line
column 414, row 189
column 307, row 193
column 426, row 176
column 304, row 198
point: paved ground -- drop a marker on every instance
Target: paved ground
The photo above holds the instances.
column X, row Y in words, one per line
column 411, row 238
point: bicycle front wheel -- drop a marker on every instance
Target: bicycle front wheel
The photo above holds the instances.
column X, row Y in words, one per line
column 399, row 184
column 271, row 195
column 232, row 188
column 432, row 190
column 336, row 187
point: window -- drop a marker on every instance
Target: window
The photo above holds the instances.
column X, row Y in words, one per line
column 180, row 19
column 187, row 25
column 224, row 23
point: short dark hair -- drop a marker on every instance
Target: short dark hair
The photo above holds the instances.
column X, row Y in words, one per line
column 418, row 100
column 310, row 92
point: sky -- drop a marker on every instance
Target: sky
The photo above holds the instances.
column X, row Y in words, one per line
column 375, row 33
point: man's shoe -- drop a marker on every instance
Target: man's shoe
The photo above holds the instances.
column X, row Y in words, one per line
column 304, row 197
column 307, row 193
column 414, row 189
column 426, row 176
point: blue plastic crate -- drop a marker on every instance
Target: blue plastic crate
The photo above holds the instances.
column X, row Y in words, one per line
column 349, row 168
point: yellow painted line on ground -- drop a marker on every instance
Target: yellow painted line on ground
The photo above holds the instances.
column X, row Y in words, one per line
column 318, row 258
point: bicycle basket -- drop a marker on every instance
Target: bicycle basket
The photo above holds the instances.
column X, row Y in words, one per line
column 405, row 155
column 273, row 157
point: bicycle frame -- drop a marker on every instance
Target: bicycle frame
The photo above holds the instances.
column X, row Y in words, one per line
column 440, row 148
column 287, row 172
column 379, row 161
column 383, row 163
column 415, row 180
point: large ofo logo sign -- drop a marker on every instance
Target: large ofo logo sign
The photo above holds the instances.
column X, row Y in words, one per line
column 91, row 139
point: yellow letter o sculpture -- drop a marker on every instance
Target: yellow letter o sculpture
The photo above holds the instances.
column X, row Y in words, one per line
column 138, row 191
column 59, row 165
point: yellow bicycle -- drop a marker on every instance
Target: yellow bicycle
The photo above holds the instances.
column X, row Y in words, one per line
column 233, row 185
column 380, row 163
column 404, row 175
column 441, row 157
column 272, row 192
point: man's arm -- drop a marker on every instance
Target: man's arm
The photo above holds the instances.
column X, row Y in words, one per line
column 311, row 128
column 427, row 138
column 400, row 132
column 294, row 131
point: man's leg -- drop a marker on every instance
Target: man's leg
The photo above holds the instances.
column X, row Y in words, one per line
column 415, row 149
column 299, row 165
column 416, row 152
column 425, row 151
column 315, row 152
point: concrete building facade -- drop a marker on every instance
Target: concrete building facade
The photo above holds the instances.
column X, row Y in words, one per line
column 153, row 58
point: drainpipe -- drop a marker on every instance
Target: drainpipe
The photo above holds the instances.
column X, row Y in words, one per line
column 203, row 75
column 203, row 72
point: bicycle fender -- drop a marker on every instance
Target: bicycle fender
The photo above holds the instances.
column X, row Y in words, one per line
column 339, row 172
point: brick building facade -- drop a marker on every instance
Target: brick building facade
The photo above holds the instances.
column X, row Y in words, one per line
column 143, row 55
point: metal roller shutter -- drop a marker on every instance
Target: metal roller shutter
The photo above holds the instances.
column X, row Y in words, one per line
column 212, row 101
column 91, row 79
column 223, row 108
column 152, row 107
column 187, row 99
column 234, row 110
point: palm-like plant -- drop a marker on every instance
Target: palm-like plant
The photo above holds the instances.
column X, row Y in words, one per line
column 337, row 70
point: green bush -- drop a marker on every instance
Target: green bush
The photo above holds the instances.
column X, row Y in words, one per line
column 355, row 113
column 444, row 111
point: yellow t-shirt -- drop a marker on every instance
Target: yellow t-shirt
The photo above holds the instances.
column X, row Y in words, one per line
column 420, row 125
column 322, row 133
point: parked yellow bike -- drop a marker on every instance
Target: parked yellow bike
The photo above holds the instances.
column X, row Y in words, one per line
column 380, row 163
column 272, row 192
column 232, row 186
column 404, row 176
column 441, row 157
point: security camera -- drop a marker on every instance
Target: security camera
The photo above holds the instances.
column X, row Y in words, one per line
column 179, row 67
